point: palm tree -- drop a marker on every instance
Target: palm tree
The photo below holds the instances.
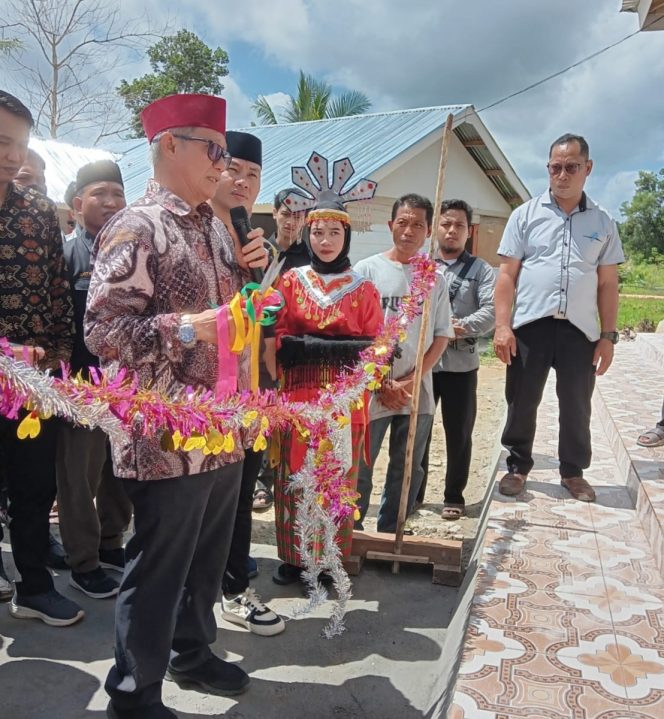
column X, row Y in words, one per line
column 314, row 101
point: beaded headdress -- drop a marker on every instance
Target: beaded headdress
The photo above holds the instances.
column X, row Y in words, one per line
column 315, row 181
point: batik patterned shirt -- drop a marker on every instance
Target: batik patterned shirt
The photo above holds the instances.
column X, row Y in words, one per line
column 155, row 260
column 35, row 301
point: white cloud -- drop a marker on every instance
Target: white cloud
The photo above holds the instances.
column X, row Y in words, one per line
column 239, row 112
column 437, row 52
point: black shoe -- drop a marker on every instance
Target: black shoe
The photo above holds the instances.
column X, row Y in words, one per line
column 96, row 584
column 52, row 608
column 286, row 574
column 6, row 587
column 214, row 676
column 112, row 559
column 56, row 557
column 252, row 568
column 153, row 711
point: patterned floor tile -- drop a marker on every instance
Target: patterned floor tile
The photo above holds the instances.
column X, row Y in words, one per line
column 650, row 708
column 537, row 685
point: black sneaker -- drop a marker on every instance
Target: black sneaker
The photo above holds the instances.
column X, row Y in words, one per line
column 6, row 587
column 56, row 557
column 96, row 584
column 152, row 711
column 52, row 608
column 112, row 559
column 252, row 568
column 287, row 574
column 214, row 676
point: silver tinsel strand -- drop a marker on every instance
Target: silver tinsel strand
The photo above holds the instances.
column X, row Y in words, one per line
column 38, row 388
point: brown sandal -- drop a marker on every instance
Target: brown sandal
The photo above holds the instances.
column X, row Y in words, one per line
column 512, row 484
column 453, row 511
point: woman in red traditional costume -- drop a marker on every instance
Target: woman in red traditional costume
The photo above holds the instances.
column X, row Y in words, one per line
column 331, row 314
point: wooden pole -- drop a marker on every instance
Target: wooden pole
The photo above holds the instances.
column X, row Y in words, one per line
column 417, row 379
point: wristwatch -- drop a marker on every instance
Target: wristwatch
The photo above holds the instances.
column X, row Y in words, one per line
column 186, row 332
column 611, row 336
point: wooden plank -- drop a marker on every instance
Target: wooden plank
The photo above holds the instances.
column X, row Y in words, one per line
column 376, row 540
column 393, row 557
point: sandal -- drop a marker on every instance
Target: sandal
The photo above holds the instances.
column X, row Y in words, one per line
column 453, row 511
column 652, row 437
column 263, row 500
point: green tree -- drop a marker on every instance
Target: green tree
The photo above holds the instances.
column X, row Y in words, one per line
column 7, row 45
column 181, row 63
column 643, row 229
column 313, row 101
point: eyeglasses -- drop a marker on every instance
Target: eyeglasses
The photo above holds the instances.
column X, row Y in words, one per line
column 571, row 168
column 215, row 151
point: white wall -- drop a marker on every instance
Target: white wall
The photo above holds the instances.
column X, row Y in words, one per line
column 464, row 179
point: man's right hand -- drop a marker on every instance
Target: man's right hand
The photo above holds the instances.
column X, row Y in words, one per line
column 205, row 325
column 504, row 344
column 394, row 395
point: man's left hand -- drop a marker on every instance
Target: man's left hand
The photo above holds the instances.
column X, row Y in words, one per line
column 603, row 356
column 459, row 330
column 253, row 254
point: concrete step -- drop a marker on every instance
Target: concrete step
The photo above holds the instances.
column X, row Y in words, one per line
column 628, row 401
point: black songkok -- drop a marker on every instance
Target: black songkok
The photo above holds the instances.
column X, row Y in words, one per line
column 100, row 171
column 244, row 146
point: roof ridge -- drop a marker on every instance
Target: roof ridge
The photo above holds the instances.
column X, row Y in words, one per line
column 402, row 111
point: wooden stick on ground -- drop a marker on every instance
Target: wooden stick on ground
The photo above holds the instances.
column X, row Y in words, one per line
column 417, row 379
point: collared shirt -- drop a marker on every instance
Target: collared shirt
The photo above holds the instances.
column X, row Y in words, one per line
column 35, row 302
column 77, row 251
column 296, row 255
column 559, row 255
column 155, row 260
column 472, row 308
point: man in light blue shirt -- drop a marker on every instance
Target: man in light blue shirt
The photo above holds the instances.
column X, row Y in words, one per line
column 559, row 256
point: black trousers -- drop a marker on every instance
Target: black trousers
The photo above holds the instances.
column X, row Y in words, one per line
column 457, row 393
column 541, row 345
column 174, row 561
column 236, row 579
column 29, row 469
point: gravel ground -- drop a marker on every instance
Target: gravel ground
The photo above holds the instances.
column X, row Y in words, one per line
column 427, row 521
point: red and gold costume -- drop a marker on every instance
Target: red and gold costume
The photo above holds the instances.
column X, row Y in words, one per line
column 326, row 322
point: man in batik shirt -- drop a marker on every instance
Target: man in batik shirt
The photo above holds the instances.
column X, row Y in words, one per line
column 160, row 265
column 35, row 310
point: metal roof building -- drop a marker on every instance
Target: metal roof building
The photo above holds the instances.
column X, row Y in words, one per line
column 400, row 150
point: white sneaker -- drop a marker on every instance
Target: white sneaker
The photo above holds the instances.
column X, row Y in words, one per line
column 249, row 612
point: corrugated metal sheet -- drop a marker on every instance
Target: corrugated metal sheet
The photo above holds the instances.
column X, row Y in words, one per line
column 485, row 159
column 371, row 141
column 63, row 161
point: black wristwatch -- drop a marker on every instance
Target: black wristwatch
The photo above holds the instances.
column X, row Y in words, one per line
column 613, row 337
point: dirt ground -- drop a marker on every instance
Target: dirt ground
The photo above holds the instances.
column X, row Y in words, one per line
column 426, row 521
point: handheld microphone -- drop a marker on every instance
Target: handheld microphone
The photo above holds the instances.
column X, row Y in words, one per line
column 242, row 225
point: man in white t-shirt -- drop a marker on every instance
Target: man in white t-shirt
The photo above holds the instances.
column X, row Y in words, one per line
column 410, row 225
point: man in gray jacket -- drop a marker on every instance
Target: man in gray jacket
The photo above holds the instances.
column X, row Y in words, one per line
column 471, row 283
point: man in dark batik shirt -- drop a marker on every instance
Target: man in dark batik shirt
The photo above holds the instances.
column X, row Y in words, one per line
column 35, row 310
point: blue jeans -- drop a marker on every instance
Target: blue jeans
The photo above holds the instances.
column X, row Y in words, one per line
column 389, row 502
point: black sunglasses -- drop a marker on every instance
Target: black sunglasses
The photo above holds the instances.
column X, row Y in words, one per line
column 215, row 151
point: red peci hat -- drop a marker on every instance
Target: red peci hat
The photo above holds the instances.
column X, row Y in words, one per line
column 184, row 111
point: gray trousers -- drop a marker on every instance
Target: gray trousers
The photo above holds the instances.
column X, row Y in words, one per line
column 174, row 563
column 389, row 503
column 84, row 472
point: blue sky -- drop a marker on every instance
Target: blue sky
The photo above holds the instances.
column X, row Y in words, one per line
column 438, row 52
